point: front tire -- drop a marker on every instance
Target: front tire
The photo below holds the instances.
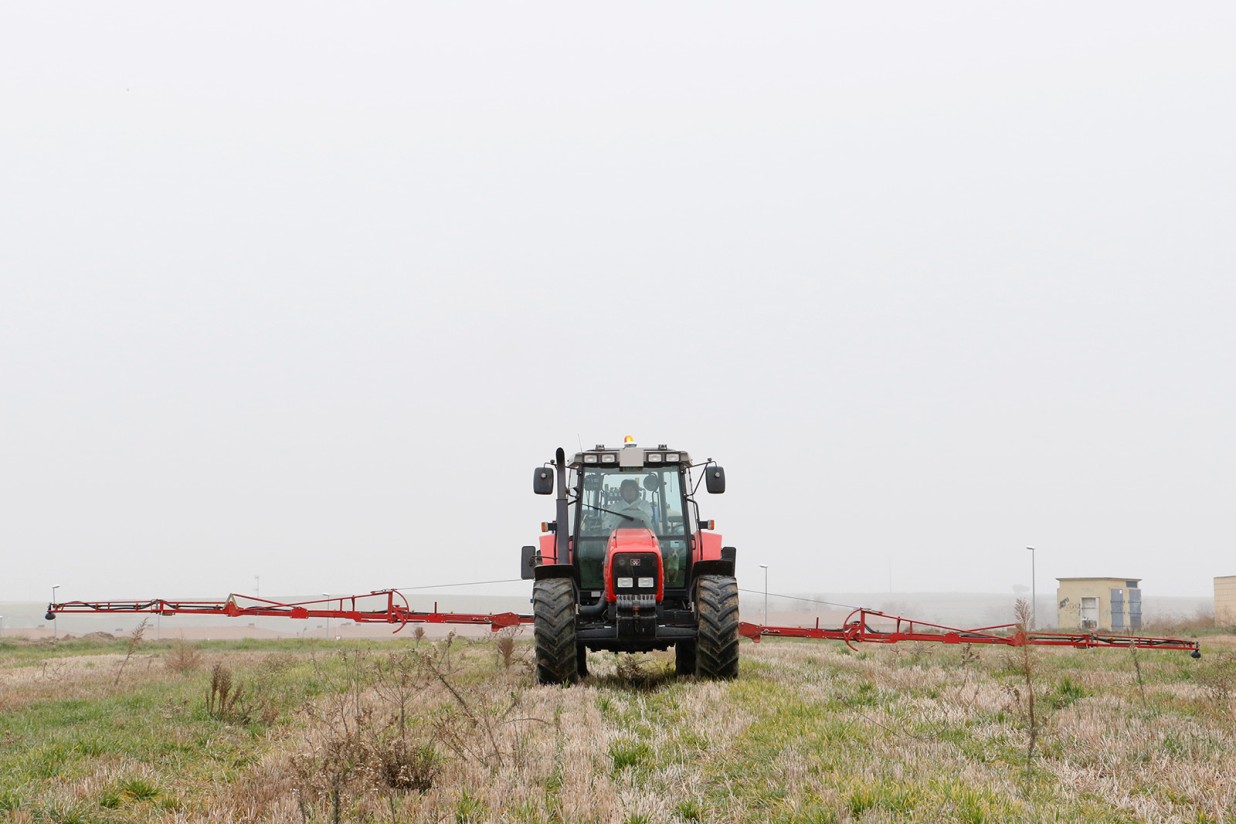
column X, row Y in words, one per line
column 716, row 605
column 553, row 629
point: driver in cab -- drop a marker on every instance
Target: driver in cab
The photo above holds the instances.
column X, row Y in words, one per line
column 632, row 512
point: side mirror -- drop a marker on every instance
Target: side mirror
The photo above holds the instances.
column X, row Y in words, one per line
column 714, row 479
column 543, row 481
column 527, row 560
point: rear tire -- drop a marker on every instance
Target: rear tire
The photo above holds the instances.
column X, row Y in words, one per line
column 553, row 628
column 716, row 605
column 684, row 658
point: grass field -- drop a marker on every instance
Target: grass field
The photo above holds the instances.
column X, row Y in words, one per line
column 456, row 731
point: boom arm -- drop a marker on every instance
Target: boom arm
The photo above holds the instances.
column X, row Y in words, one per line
column 382, row 606
column 857, row 630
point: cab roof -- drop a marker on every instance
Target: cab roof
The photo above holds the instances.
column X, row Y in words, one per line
column 630, row 456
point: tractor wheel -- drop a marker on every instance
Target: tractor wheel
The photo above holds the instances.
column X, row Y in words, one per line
column 553, row 627
column 716, row 605
column 684, row 658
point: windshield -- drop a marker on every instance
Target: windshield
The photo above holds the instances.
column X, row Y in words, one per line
column 613, row 498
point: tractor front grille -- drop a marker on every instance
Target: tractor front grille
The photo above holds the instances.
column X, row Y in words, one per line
column 635, row 573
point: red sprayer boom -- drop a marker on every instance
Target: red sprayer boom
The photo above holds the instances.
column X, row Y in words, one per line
column 390, row 606
column 382, row 606
column 858, row 630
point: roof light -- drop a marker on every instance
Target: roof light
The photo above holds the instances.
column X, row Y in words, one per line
column 654, row 457
column 629, row 440
column 590, row 459
column 609, row 457
column 672, row 456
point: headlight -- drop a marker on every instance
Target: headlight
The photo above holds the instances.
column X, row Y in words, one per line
column 609, row 457
column 646, row 583
column 672, row 457
column 590, row 459
column 625, row 583
column 654, row 457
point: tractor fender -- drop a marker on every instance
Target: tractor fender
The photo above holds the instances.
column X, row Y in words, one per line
column 721, row 566
column 544, row 572
column 712, row 568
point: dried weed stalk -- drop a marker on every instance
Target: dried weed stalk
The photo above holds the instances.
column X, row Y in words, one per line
column 505, row 643
column 134, row 641
column 364, row 749
column 223, row 699
column 1027, row 666
column 1137, row 669
column 183, row 658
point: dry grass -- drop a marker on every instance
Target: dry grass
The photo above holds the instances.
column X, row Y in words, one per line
column 809, row 732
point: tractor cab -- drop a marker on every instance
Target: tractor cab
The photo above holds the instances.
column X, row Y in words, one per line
column 647, row 497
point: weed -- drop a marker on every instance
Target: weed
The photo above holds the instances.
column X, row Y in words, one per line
column 468, row 809
column 1026, row 666
column 627, row 753
column 224, row 696
column 1066, row 693
column 134, row 640
column 968, row 656
column 1137, row 668
column 506, row 645
column 183, row 658
column 689, row 810
column 1217, row 676
column 401, row 765
column 400, row 677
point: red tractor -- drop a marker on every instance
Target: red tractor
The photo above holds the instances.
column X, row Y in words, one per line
column 629, row 565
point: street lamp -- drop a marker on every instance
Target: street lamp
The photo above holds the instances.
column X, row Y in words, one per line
column 1, row 626
column 54, row 627
column 765, row 568
column 327, row 595
column 1034, row 615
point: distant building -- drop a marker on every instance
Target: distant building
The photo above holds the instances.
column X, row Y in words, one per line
column 1225, row 600
column 1100, row 603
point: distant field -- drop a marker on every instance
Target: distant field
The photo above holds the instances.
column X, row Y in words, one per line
column 300, row 730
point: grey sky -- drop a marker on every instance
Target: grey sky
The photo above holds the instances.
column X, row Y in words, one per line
column 305, row 291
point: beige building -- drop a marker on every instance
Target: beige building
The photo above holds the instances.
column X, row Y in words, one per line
column 1112, row 604
column 1225, row 601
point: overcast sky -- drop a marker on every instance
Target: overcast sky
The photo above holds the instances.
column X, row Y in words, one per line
column 305, row 291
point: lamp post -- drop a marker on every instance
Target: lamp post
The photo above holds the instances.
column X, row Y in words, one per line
column 1034, row 615
column 1, row 626
column 765, row 568
column 327, row 595
column 54, row 625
